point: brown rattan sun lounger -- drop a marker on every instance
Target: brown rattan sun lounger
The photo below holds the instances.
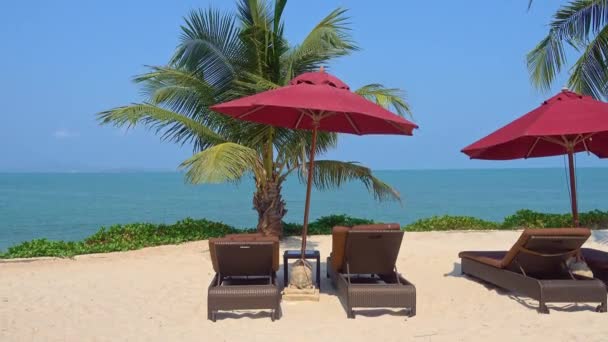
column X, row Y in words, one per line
column 536, row 267
column 362, row 267
column 245, row 276
column 598, row 263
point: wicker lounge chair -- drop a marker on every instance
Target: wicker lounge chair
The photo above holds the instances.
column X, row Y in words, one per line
column 245, row 276
column 362, row 268
column 598, row 263
column 535, row 267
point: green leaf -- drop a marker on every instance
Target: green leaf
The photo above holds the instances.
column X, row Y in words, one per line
column 226, row 162
column 176, row 127
column 331, row 174
column 389, row 98
column 590, row 72
column 545, row 61
column 580, row 24
column 210, row 47
column 328, row 40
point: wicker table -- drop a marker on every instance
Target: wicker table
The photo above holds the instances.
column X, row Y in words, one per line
column 295, row 254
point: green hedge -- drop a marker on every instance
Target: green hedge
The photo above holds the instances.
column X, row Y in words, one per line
column 443, row 223
column 122, row 238
column 594, row 219
column 139, row 235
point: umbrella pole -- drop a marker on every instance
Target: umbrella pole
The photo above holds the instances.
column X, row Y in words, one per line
column 573, row 188
column 308, row 187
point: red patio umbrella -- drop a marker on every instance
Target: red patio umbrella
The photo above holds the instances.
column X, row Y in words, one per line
column 567, row 123
column 316, row 101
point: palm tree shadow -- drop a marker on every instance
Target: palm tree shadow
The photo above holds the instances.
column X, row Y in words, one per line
column 529, row 302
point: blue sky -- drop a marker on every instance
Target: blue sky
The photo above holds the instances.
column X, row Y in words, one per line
column 462, row 64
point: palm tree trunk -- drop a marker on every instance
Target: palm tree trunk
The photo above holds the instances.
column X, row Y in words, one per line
column 269, row 204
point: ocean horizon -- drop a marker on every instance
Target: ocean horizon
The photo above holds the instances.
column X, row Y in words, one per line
column 73, row 205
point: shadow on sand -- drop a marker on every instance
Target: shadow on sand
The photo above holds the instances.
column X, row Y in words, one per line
column 455, row 272
column 525, row 301
column 240, row 315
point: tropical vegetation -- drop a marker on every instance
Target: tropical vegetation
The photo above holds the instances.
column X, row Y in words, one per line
column 222, row 56
column 139, row 235
column 580, row 25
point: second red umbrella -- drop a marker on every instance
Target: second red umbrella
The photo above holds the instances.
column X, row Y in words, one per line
column 567, row 123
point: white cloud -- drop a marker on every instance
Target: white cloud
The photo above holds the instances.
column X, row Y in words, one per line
column 63, row 133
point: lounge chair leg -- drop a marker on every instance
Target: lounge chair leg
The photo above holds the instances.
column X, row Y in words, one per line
column 278, row 312
column 601, row 307
column 273, row 315
column 350, row 313
column 412, row 312
column 213, row 315
column 542, row 308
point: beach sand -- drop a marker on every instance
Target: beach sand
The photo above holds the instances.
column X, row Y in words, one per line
column 159, row 294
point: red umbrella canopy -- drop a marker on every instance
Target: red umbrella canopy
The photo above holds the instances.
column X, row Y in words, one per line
column 317, row 97
column 565, row 121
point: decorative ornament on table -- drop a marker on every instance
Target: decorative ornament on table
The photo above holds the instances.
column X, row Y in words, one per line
column 301, row 275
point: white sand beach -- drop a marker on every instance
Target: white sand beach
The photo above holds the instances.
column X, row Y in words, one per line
column 159, row 294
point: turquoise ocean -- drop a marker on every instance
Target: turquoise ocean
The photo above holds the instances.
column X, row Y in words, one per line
column 71, row 206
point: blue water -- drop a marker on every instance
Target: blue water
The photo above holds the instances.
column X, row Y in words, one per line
column 72, row 206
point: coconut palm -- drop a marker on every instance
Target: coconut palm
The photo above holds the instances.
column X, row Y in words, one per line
column 223, row 56
column 581, row 24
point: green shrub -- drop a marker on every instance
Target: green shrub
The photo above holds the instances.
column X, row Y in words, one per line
column 446, row 222
column 43, row 247
column 525, row 218
column 323, row 225
column 122, row 238
column 138, row 235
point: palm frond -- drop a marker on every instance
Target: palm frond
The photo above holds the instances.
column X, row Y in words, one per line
column 328, row 40
column 389, row 98
column 579, row 19
column 254, row 13
column 576, row 24
column 590, row 73
column 250, row 83
column 279, row 6
column 227, row 162
column 294, row 145
column 331, row 174
column 545, row 61
column 210, row 47
column 178, row 89
column 176, row 127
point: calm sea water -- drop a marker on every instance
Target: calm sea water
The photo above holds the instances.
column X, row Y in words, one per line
column 72, row 206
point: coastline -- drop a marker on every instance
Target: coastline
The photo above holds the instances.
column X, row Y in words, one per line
column 73, row 206
column 135, row 236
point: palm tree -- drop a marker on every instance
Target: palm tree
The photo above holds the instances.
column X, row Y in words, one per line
column 223, row 56
column 580, row 24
